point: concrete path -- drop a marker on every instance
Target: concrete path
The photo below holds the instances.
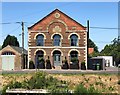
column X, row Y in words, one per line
column 111, row 70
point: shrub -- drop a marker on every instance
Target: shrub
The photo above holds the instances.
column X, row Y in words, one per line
column 41, row 64
column 65, row 64
column 86, row 79
column 40, row 80
column 83, row 62
column 119, row 82
column 31, row 65
column 12, row 84
column 81, row 89
column 48, row 64
column 91, row 89
column 75, row 60
column 41, row 59
column 99, row 83
column 111, row 88
column 65, row 61
column 83, row 67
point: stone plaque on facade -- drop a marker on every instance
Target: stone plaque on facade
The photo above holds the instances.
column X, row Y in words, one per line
column 57, row 29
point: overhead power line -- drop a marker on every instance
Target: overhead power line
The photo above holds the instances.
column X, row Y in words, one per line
column 68, row 26
column 101, row 42
column 104, row 28
column 17, row 22
column 12, row 31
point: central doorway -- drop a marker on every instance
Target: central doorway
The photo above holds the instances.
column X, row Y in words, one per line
column 39, row 60
column 57, row 58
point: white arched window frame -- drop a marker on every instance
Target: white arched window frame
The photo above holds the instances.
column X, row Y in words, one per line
column 60, row 40
column 71, row 39
column 40, row 39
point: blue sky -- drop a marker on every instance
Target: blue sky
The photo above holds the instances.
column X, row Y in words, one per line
column 100, row 14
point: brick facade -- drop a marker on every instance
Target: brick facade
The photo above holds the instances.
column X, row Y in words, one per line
column 57, row 23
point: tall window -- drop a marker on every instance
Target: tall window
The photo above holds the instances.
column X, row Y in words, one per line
column 56, row 40
column 40, row 40
column 74, row 40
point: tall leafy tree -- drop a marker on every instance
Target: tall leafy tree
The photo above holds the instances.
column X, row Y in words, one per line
column 10, row 40
column 112, row 50
column 91, row 44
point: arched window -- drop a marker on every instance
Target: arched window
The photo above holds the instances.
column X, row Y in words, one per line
column 40, row 40
column 74, row 40
column 56, row 40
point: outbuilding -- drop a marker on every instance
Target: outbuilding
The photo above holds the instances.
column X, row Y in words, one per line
column 11, row 58
column 96, row 63
column 108, row 61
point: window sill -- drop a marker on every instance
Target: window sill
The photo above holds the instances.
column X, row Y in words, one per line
column 57, row 46
column 74, row 46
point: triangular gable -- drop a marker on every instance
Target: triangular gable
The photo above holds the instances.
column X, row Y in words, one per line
column 10, row 49
column 13, row 48
column 56, row 10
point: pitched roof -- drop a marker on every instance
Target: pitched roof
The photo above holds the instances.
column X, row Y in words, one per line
column 19, row 49
column 53, row 12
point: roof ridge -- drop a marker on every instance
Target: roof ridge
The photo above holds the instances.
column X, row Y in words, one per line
column 50, row 14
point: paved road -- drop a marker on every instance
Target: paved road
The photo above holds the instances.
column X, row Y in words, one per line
column 111, row 70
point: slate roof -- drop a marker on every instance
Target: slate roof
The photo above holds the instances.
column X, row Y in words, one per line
column 19, row 49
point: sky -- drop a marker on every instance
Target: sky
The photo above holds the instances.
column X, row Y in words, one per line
column 100, row 14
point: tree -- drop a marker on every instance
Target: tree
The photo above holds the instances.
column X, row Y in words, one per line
column 112, row 50
column 91, row 44
column 10, row 40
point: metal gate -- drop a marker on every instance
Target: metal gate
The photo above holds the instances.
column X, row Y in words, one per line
column 8, row 62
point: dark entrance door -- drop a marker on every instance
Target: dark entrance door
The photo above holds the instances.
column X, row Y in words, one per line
column 39, row 57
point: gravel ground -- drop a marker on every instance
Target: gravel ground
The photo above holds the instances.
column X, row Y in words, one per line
column 99, row 81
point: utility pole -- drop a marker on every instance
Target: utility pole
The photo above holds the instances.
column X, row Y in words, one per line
column 23, row 45
column 87, row 41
